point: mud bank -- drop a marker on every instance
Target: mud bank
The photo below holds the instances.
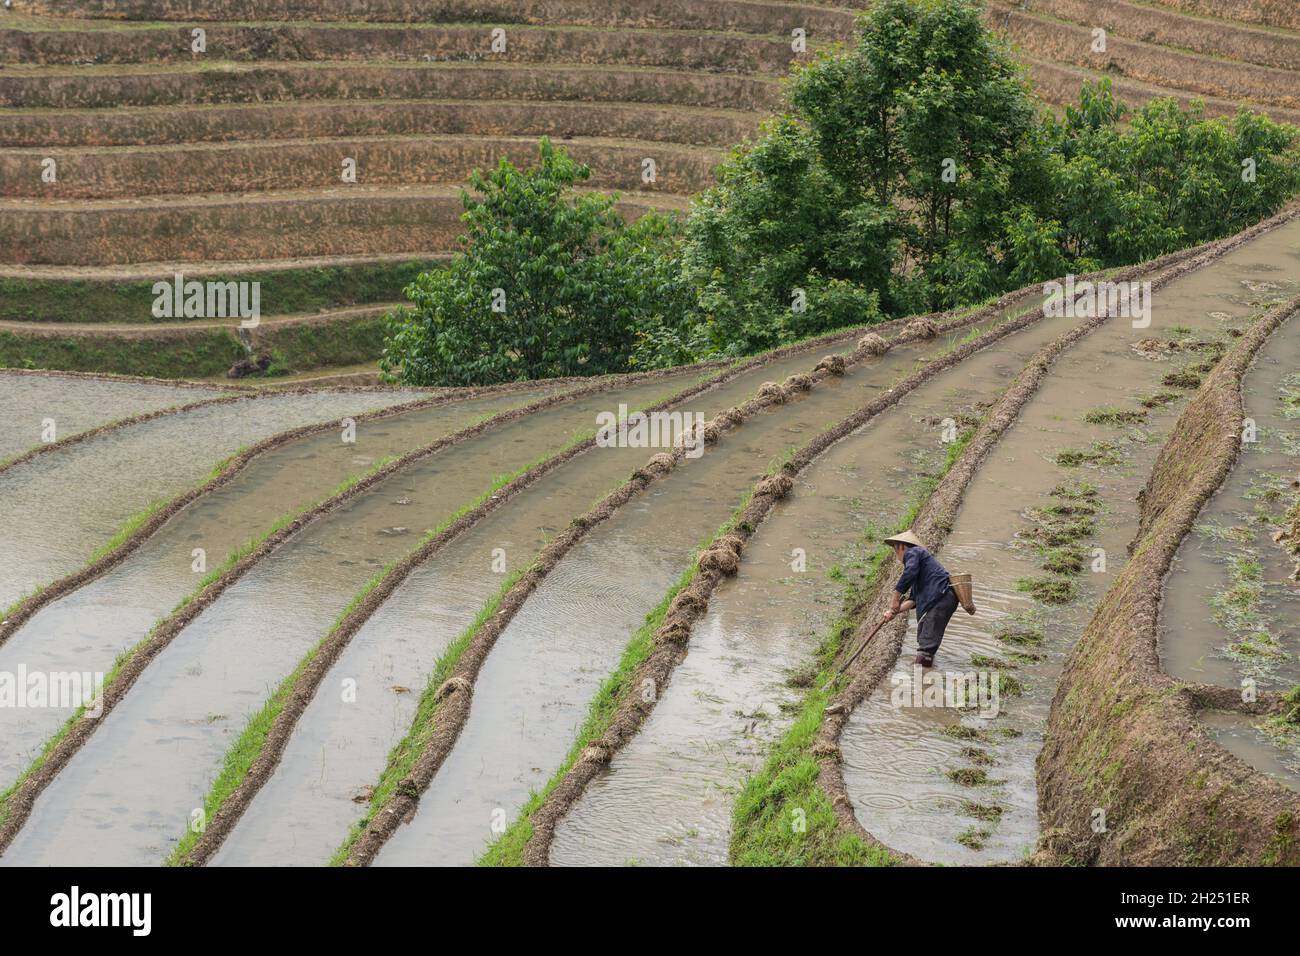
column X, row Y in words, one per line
column 42, row 409
column 667, row 797
column 1171, row 794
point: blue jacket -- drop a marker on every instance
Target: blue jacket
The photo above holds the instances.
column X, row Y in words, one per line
column 925, row 577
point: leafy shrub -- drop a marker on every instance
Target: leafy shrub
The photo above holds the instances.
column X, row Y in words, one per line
column 551, row 283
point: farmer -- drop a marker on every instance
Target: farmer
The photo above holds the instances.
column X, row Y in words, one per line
column 932, row 594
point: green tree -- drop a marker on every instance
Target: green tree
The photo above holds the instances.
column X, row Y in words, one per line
column 1173, row 178
column 775, row 253
column 550, row 283
column 911, row 171
column 915, row 171
column 888, row 177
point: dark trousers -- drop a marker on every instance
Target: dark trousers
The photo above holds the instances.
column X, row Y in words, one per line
column 929, row 633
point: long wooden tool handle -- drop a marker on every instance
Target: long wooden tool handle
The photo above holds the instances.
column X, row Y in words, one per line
column 862, row 648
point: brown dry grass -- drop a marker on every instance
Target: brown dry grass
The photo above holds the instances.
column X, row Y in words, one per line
column 1167, row 28
column 1275, row 13
column 386, row 161
column 731, row 15
column 353, row 221
column 93, row 87
column 256, row 122
column 714, row 53
column 1180, row 72
column 1059, row 84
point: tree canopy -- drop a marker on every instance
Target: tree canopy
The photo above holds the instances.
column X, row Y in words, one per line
column 910, row 172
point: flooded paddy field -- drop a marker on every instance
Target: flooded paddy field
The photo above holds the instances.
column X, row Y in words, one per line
column 1231, row 610
column 667, row 797
column 61, row 507
column 1248, row 739
column 39, row 409
column 86, row 630
column 339, row 746
column 154, row 756
column 573, row 630
column 1044, row 527
column 1057, row 494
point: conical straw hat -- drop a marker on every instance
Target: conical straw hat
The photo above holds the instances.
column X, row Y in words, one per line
column 904, row 537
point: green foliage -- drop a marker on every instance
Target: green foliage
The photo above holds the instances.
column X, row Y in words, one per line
column 777, row 229
column 885, row 174
column 1172, row 179
column 551, row 284
column 849, row 184
column 194, row 354
column 911, row 172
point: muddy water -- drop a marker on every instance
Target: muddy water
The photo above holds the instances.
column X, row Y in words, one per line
column 128, row 795
column 340, row 745
column 1245, row 737
column 667, row 797
column 897, row 758
column 40, row 408
column 59, row 508
column 1231, row 611
column 87, row 629
column 573, row 630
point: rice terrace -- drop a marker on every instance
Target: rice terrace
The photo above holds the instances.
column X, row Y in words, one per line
column 659, row 433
